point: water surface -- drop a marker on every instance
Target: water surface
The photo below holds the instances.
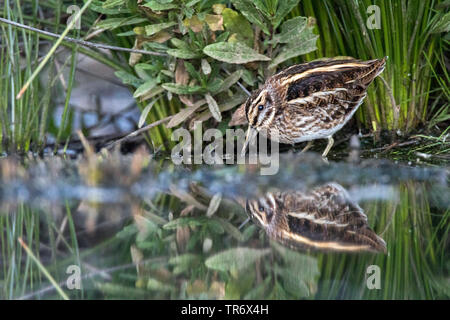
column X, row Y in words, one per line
column 140, row 228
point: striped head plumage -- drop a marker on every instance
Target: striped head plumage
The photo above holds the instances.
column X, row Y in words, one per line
column 310, row 101
column 323, row 218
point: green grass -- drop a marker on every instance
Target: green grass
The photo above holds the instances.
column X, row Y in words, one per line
column 406, row 36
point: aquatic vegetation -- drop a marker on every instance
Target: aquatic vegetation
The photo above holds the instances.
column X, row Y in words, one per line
column 168, row 233
column 410, row 33
column 101, row 224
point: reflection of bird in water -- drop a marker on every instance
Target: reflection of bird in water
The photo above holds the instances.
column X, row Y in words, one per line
column 324, row 218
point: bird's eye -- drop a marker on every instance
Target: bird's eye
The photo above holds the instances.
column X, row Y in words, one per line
column 261, row 209
column 260, row 107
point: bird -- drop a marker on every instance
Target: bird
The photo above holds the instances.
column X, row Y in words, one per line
column 323, row 218
column 310, row 101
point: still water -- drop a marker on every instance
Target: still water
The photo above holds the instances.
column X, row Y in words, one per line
column 131, row 227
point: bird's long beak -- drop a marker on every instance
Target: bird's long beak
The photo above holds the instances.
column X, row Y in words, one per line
column 251, row 134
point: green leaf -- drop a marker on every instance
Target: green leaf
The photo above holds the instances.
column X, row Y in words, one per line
column 158, row 6
column 159, row 286
column 213, row 107
column 96, row 6
column 214, row 85
column 249, row 11
column 224, row 106
column 181, row 89
column 183, row 53
column 235, row 23
column 303, row 46
column 144, row 113
column 241, row 283
column 233, row 53
column 248, row 77
column 192, row 3
column 113, row 23
column 235, row 259
column 230, row 80
column 206, row 67
column 127, row 232
column 292, row 284
column 128, row 78
column 180, row 44
column 145, row 87
column 112, row 3
column 223, row 37
column 192, row 71
column 154, row 28
column 284, row 7
column 186, row 221
column 258, row 291
column 185, row 260
column 214, row 204
column 305, row 267
column 262, row 6
column 231, row 229
column 442, row 24
column 291, row 30
column 184, row 114
column 151, row 93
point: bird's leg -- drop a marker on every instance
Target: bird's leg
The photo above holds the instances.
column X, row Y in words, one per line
column 306, row 148
column 329, row 145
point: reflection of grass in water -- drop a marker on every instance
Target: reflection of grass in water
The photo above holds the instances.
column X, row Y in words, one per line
column 416, row 238
column 21, row 273
column 148, row 259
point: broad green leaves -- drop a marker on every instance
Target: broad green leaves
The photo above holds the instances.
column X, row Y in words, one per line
column 160, row 6
column 145, row 88
column 291, row 30
column 230, row 80
column 284, row 7
column 154, row 28
column 247, row 8
column 262, row 13
column 184, row 53
column 113, row 23
column 299, row 39
column 203, row 38
column 239, row 27
column 233, row 53
column 113, row 3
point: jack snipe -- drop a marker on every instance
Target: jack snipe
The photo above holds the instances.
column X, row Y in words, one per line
column 310, row 101
column 323, row 218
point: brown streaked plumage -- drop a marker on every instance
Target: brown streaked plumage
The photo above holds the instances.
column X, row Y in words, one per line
column 310, row 101
column 322, row 219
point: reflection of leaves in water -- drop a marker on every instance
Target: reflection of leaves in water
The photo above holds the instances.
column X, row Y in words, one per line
column 235, row 259
column 297, row 272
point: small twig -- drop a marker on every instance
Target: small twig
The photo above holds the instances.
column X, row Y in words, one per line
column 82, row 42
column 135, row 133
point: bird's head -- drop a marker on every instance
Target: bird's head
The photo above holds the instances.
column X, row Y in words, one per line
column 262, row 210
column 260, row 111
